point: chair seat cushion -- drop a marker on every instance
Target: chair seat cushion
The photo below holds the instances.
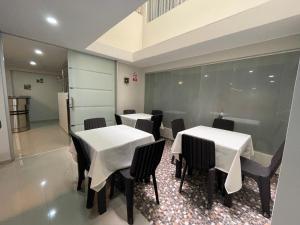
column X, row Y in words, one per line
column 126, row 173
column 253, row 169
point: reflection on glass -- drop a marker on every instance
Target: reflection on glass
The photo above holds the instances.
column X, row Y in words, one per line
column 258, row 106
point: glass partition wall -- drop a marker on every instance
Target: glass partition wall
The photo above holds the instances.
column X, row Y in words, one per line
column 256, row 93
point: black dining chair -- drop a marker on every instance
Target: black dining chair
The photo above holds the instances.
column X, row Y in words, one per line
column 177, row 126
column 157, row 119
column 129, row 111
column 83, row 164
column 144, row 125
column 223, row 124
column 94, row 123
column 157, row 112
column 144, row 163
column 262, row 175
column 118, row 119
column 199, row 154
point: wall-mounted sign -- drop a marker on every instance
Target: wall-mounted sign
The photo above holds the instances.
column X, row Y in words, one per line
column 126, row 80
column 134, row 77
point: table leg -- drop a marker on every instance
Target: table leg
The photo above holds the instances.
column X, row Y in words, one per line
column 102, row 200
column 178, row 167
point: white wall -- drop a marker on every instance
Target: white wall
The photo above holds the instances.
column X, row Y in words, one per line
column 5, row 133
column 126, row 35
column 130, row 96
column 267, row 47
column 191, row 15
column 286, row 209
column 43, row 103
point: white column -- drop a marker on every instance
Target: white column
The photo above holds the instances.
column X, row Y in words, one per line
column 6, row 146
column 286, row 209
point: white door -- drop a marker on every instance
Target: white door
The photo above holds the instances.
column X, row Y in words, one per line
column 91, row 88
column 5, row 132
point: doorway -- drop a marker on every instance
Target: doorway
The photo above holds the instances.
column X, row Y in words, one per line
column 36, row 79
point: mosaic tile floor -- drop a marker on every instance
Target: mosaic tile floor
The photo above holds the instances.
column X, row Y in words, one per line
column 189, row 206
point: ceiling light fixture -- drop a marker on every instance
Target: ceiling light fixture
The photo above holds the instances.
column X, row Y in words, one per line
column 51, row 213
column 43, row 183
column 52, row 20
column 271, row 76
column 33, row 63
column 251, row 71
column 254, row 88
column 272, row 81
column 206, row 75
column 38, row 52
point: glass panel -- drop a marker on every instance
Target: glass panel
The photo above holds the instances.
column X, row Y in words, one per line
column 91, row 88
column 256, row 93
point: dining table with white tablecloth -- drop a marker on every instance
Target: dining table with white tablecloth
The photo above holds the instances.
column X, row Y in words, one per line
column 110, row 149
column 229, row 146
column 130, row 119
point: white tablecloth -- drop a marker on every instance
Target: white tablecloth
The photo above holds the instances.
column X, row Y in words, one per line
column 110, row 149
column 130, row 119
column 229, row 147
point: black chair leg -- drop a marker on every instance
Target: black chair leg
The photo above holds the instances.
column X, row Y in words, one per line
column 211, row 187
column 112, row 186
column 155, row 188
column 79, row 184
column 190, row 171
column 265, row 195
column 102, row 200
column 182, row 177
column 173, row 159
column 90, row 195
column 178, row 167
column 80, row 177
column 129, row 189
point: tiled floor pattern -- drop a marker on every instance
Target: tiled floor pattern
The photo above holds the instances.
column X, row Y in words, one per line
column 189, row 206
column 42, row 137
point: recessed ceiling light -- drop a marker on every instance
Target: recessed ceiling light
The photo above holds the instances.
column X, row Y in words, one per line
column 251, row 71
column 52, row 20
column 51, row 213
column 180, row 82
column 43, row 183
column 38, row 52
column 33, row 63
column 271, row 76
column 206, row 75
column 272, row 81
column 254, row 88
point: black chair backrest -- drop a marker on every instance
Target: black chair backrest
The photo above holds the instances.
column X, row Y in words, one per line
column 156, row 112
column 146, row 159
column 177, row 126
column 129, row 111
column 157, row 119
column 94, row 123
column 118, row 119
column 223, row 124
column 82, row 155
column 276, row 159
column 198, row 153
column 144, row 125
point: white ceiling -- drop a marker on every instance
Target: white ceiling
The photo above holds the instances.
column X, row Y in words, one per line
column 18, row 52
column 80, row 22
